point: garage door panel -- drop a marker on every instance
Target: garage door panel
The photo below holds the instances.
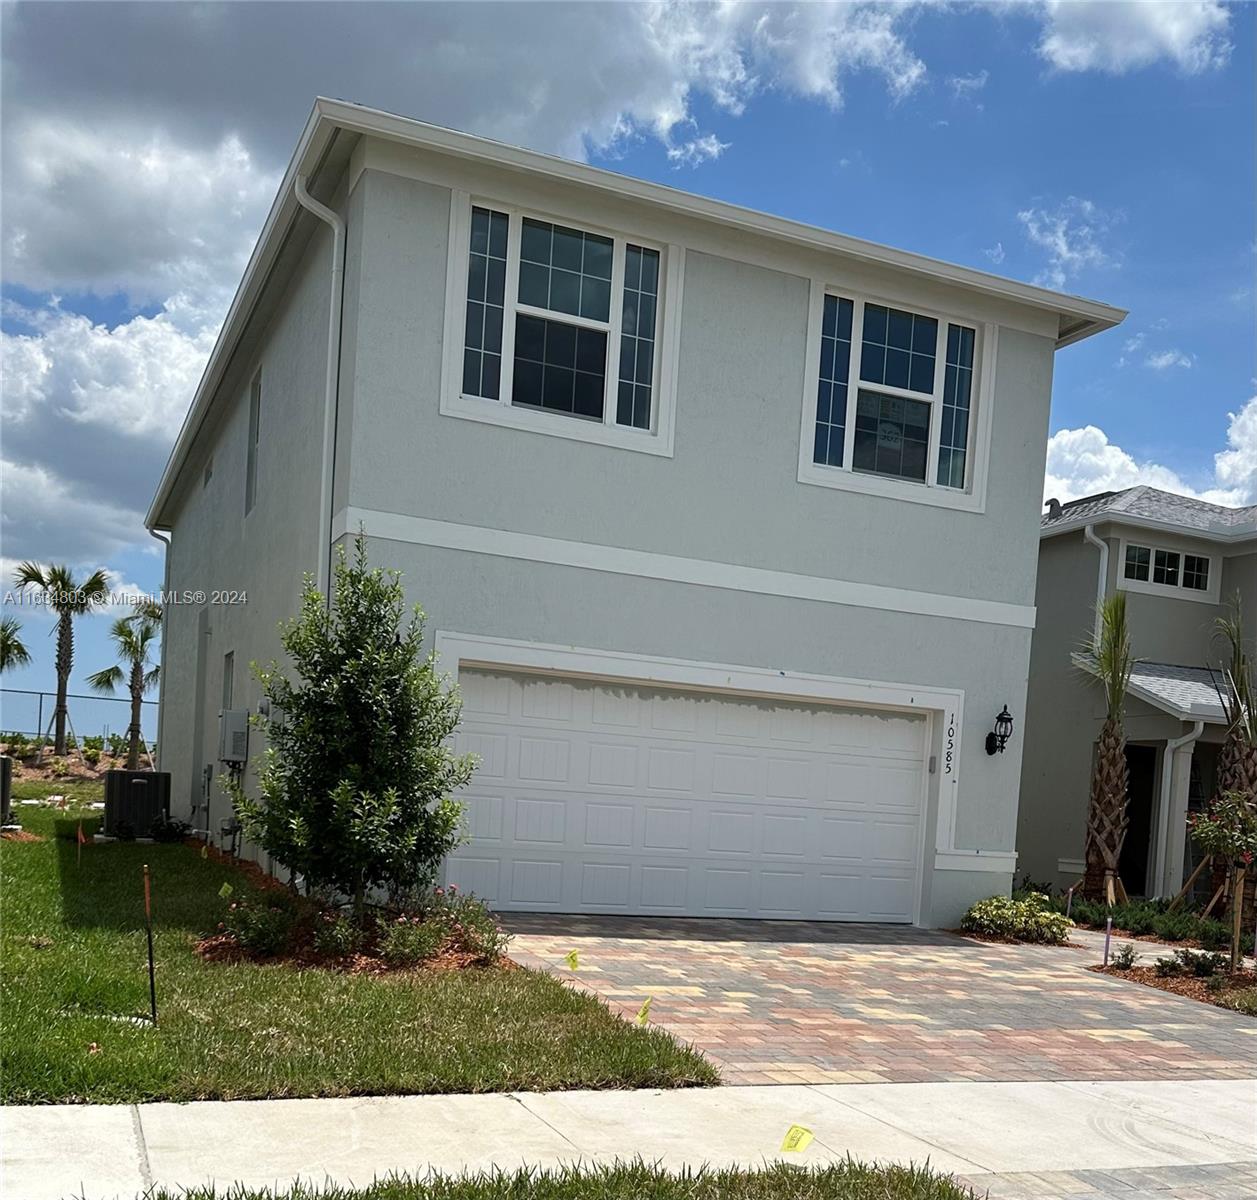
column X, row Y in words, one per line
column 602, row 798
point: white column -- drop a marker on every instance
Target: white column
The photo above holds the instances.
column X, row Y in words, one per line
column 1176, row 841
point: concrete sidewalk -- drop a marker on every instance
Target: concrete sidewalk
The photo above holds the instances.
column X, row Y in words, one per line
column 971, row 1129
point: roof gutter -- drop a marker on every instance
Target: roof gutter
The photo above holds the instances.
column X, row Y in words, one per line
column 1102, row 579
column 164, row 538
column 331, row 391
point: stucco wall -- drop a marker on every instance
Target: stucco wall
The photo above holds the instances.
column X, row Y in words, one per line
column 214, row 545
column 731, row 493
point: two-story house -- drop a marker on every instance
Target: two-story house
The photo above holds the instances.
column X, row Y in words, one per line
column 725, row 526
column 1180, row 561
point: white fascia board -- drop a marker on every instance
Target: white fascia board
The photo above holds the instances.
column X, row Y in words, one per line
column 1226, row 537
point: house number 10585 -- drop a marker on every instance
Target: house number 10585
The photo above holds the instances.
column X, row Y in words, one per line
column 951, row 743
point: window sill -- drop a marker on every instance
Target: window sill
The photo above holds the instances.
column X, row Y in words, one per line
column 1167, row 591
column 890, row 489
column 532, row 420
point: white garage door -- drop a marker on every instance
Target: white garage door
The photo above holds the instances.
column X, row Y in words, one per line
column 598, row 798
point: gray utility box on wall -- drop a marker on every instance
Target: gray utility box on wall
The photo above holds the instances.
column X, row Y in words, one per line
column 135, row 801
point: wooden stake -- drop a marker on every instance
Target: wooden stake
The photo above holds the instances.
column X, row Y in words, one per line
column 1187, row 887
column 1121, row 891
column 1110, row 895
column 1216, row 895
column 148, row 923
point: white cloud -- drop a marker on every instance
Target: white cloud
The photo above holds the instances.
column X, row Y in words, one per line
column 995, row 253
column 967, row 87
column 1072, row 233
column 1117, row 36
column 165, row 219
column 1164, row 359
column 1082, row 462
column 697, row 150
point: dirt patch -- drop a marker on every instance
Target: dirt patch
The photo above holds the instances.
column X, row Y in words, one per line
column 73, row 768
column 1191, row 986
column 20, row 835
column 256, row 876
column 995, row 939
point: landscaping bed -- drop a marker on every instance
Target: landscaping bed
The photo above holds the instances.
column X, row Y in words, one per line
column 74, row 992
column 1238, row 993
column 637, row 1181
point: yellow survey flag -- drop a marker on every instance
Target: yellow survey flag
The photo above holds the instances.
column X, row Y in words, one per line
column 643, row 1013
column 573, row 960
column 798, row 1138
column 205, row 852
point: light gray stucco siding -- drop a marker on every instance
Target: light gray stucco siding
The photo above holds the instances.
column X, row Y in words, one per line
column 731, row 492
column 216, row 547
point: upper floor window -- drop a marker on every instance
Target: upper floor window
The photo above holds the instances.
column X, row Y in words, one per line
column 892, row 394
column 1167, row 570
column 563, row 330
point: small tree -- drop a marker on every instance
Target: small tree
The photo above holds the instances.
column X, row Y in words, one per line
column 1237, row 760
column 135, row 638
column 68, row 599
column 356, row 785
column 1107, row 817
column 1228, row 832
column 13, row 651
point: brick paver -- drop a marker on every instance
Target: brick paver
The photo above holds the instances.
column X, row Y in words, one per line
column 797, row 1002
column 1217, row 1181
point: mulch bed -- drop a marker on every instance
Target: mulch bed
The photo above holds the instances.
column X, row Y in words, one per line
column 20, row 835
column 74, row 768
column 996, row 939
column 256, row 876
column 1191, row 986
column 223, row 948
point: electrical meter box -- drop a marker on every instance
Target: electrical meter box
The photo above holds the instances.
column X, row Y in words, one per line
column 233, row 736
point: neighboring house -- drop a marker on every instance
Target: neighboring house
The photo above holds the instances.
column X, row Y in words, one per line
column 1180, row 561
column 730, row 627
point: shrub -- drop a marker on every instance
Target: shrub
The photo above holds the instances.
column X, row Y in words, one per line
column 93, row 742
column 1176, row 926
column 91, row 755
column 1168, row 966
column 1200, row 964
column 357, row 782
column 167, row 830
column 117, row 745
column 1242, row 1000
column 262, row 926
column 1125, row 957
column 1031, row 919
column 406, row 941
column 18, row 745
column 335, row 935
column 1212, row 934
column 469, row 923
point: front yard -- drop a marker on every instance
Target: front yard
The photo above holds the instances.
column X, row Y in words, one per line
column 74, row 994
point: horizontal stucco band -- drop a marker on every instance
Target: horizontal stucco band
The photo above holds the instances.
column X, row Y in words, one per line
column 503, row 543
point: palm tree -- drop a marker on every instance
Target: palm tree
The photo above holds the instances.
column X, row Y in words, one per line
column 13, row 651
column 134, row 637
column 1107, row 817
column 68, row 600
column 1237, row 760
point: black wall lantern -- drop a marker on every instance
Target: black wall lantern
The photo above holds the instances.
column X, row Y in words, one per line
column 997, row 739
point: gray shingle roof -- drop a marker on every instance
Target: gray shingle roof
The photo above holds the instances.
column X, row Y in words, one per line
column 1190, row 693
column 1145, row 503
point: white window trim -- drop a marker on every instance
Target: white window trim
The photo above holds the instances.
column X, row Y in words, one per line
column 660, row 437
column 970, row 499
column 1177, row 591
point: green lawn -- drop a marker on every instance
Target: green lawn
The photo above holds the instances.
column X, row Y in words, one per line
column 846, row 1181
column 73, row 976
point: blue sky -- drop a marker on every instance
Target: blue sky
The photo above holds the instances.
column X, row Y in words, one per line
column 1104, row 149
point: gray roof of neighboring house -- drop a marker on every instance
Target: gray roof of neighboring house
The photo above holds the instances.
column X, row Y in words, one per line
column 1151, row 506
column 1189, row 693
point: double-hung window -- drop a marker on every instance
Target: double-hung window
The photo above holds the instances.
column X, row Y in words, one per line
column 892, row 395
column 566, row 329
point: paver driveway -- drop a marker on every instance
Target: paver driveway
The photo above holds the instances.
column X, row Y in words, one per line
column 796, row 1002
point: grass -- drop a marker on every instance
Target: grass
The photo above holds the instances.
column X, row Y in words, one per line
column 76, row 791
column 634, row 1181
column 73, row 981
column 1241, row 1000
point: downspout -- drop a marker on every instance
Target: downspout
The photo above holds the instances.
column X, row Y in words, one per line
column 164, row 538
column 332, row 387
column 1102, row 577
column 1163, row 817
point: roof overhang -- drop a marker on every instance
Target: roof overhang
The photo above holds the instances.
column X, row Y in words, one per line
column 1195, row 710
column 1077, row 318
column 1223, row 536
